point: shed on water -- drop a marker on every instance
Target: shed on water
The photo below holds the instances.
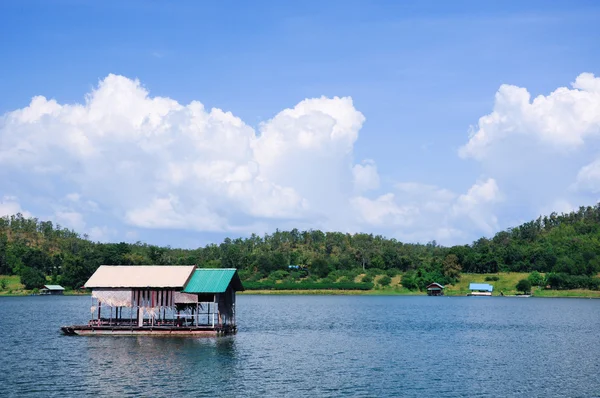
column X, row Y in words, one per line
column 216, row 286
column 146, row 291
column 435, row 289
column 161, row 300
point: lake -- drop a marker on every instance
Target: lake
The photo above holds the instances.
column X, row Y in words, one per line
column 366, row 346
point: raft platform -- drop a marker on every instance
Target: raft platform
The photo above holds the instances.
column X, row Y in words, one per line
column 199, row 331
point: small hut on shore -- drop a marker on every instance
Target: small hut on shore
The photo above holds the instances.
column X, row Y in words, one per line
column 52, row 290
column 153, row 299
column 480, row 289
column 435, row 289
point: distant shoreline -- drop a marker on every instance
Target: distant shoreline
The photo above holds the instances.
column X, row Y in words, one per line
column 546, row 293
column 591, row 294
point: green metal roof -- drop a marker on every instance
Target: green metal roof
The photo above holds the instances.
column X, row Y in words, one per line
column 213, row 280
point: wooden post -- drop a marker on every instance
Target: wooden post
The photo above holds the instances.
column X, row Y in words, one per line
column 213, row 313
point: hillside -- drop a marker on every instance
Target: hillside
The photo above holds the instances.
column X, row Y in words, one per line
column 564, row 247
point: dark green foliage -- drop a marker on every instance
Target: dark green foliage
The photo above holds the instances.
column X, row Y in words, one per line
column 536, row 279
column 278, row 275
column 524, row 286
column 367, row 279
column 3, row 284
column 451, row 267
column 320, row 267
column 384, row 280
column 373, row 272
column 410, row 280
column 562, row 281
column 492, row 278
column 308, row 286
column 32, row 278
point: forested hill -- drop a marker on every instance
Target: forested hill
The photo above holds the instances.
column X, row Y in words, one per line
column 564, row 245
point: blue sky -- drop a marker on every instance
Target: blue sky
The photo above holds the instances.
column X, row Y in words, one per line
column 420, row 73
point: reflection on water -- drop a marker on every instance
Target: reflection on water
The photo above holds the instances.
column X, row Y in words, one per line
column 151, row 363
column 315, row 346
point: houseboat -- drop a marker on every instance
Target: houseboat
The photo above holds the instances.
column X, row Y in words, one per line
column 160, row 301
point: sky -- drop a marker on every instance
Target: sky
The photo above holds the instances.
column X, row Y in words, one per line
column 183, row 123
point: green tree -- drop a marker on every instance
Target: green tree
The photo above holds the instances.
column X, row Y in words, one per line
column 32, row 278
column 524, row 286
column 320, row 267
column 536, row 279
column 384, row 280
column 451, row 268
column 409, row 280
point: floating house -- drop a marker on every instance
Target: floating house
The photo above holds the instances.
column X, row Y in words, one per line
column 52, row 290
column 435, row 289
column 160, row 300
column 480, row 289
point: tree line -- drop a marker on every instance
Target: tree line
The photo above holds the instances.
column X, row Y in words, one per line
column 563, row 246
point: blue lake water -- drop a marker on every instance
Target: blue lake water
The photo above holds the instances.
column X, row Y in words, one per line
column 316, row 346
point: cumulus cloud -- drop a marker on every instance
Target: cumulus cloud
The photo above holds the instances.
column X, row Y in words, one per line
column 544, row 151
column 561, row 120
column 422, row 212
column 475, row 205
column 156, row 163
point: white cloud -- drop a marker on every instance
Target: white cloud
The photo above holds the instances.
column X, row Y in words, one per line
column 70, row 219
column 102, row 234
column 384, row 211
column 9, row 205
column 588, row 178
column 475, row 205
column 428, row 197
column 156, row 163
column 421, row 212
column 542, row 152
column 365, row 176
column 153, row 163
column 561, row 120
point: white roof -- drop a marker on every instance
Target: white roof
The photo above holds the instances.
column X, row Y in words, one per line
column 54, row 287
column 140, row 276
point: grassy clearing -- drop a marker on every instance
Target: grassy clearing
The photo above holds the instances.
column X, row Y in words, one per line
column 13, row 286
column 567, row 293
column 506, row 283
